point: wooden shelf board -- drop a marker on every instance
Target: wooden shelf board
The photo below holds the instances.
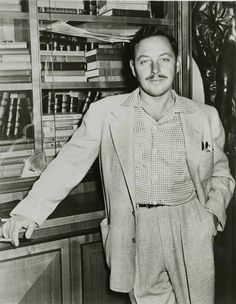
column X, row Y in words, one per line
column 83, row 85
column 104, row 19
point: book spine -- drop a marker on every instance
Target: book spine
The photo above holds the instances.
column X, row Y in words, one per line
column 3, row 109
column 58, row 133
column 16, row 51
column 7, row 73
column 63, row 58
column 15, row 58
column 65, row 78
column 15, row 147
column 16, row 132
column 14, row 66
column 106, row 78
column 105, row 57
column 60, row 123
column 48, row 117
column 127, row 13
column 18, row 79
column 104, row 72
column 104, row 51
column 63, row 73
column 60, row 10
column 60, row 4
column 11, row 170
column 124, row 5
column 62, row 53
column 18, row 153
column 58, row 66
column 104, row 65
column 13, row 45
column 11, row 117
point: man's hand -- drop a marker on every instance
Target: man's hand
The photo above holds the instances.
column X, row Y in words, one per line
column 13, row 225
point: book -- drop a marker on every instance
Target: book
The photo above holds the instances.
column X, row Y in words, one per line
column 106, row 57
column 8, row 132
column 3, row 109
column 12, row 170
column 61, row 58
column 62, row 66
column 14, row 51
column 60, row 123
column 14, row 66
column 15, row 58
column 104, row 51
column 60, row 4
column 7, row 73
column 127, row 13
column 13, row 45
column 64, row 78
column 61, row 53
column 60, row 10
column 60, row 116
column 57, row 133
column 17, row 153
column 62, row 72
column 104, row 72
column 131, row 5
column 12, row 1
column 106, row 78
column 105, row 64
column 14, row 79
column 16, row 146
column 10, row 7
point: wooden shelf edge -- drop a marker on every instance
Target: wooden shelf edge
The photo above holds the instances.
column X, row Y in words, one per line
column 83, row 85
column 104, row 19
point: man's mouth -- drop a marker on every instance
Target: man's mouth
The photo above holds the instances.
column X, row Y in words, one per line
column 157, row 77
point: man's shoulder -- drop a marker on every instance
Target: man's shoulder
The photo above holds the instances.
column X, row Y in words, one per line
column 199, row 106
column 109, row 103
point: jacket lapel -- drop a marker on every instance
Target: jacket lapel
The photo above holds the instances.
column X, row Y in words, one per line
column 192, row 129
column 121, row 128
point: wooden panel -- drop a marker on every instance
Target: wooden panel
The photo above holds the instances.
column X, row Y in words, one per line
column 35, row 274
column 89, row 273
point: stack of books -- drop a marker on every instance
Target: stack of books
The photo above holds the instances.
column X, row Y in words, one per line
column 62, row 58
column 63, row 112
column 61, row 6
column 13, row 155
column 15, row 62
column 124, row 8
column 10, row 6
column 105, row 63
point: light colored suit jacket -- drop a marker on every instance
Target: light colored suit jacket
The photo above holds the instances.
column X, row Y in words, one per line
column 107, row 131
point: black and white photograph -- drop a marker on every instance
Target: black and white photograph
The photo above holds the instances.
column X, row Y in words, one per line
column 117, row 152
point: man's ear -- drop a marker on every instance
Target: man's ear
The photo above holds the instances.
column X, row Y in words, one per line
column 131, row 64
column 178, row 64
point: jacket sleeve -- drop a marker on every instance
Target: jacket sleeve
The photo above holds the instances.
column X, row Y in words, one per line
column 222, row 183
column 65, row 171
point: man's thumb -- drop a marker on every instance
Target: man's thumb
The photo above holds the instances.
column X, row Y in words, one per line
column 30, row 230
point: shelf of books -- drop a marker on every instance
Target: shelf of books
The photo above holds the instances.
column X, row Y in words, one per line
column 56, row 58
column 16, row 99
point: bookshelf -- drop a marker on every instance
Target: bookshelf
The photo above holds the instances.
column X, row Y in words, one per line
column 175, row 19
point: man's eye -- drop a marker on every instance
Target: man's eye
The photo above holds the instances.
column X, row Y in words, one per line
column 165, row 59
column 144, row 61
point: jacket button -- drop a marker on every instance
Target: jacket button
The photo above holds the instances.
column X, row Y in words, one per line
column 133, row 240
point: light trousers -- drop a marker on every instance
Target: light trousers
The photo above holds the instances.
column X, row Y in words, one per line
column 174, row 255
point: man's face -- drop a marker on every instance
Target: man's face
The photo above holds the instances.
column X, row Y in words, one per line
column 154, row 65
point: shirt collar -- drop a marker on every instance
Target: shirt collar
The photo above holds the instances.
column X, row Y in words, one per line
column 182, row 105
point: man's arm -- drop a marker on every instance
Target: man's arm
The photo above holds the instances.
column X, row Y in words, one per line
column 58, row 179
column 222, row 183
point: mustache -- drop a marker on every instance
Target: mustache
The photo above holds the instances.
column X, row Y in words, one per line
column 154, row 76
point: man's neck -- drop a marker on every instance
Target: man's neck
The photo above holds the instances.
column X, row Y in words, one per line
column 158, row 106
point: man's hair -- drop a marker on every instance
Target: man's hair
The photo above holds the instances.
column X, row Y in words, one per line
column 150, row 31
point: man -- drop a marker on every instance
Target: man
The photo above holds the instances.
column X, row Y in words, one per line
column 166, row 181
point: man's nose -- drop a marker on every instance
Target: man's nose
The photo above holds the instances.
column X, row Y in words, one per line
column 155, row 67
